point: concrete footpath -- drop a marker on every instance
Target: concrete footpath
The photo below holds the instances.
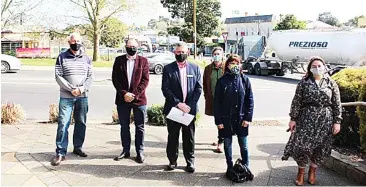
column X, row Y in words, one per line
column 27, row 150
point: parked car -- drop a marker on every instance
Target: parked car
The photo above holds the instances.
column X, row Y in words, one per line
column 157, row 61
column 9, row 63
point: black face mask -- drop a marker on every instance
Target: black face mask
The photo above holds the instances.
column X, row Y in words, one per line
column 131, row 51
column 75, row 47
column 181, row 57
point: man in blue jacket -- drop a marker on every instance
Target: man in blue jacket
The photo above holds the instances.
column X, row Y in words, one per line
column 74, row 75
column 182, row 88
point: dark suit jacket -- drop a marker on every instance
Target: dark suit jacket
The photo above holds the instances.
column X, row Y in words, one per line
column 172, row 89
column 139, row 82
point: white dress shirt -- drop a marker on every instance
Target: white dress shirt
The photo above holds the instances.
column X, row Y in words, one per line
column 130, row 66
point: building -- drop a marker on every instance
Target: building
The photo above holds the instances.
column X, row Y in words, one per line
column 262, row 25
column 23, row 38
column 318, row 25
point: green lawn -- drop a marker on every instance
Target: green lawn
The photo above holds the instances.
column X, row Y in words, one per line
column 51, row 62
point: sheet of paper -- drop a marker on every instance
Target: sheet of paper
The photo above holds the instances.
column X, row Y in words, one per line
column 179, row 116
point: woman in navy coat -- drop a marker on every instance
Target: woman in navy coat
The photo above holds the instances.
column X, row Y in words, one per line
column 233, row 108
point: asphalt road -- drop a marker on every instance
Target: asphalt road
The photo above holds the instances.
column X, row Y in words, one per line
column 35, row 90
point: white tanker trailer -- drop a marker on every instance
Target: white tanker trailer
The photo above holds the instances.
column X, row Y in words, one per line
column 289, row 50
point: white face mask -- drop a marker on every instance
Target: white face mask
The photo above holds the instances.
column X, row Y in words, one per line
column 318, row 71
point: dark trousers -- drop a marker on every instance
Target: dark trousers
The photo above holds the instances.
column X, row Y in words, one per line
column 124, row 115
column 173, row 141
column 80, row 107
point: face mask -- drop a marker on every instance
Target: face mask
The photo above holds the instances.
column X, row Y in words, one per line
column 131, row 51
column 234, row 69
column 317, row 71
column 75, row 46
column 181, row 57
column 216, row 58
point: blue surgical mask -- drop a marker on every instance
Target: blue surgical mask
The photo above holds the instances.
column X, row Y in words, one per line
column 216, row 58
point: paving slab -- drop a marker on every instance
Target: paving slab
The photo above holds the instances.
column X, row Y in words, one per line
column 30, row 162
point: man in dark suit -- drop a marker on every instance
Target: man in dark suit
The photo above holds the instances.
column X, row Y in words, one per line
column 182, row 88
column 130, row 77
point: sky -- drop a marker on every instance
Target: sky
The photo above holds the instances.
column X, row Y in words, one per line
column 302, row 9
column 152, row 9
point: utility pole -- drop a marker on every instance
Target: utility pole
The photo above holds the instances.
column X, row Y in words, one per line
column 194, row 28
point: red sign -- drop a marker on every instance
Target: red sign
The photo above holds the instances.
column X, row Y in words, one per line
column 33, row 52
column 242, row 33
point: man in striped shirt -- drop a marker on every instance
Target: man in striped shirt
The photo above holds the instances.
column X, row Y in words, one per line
column 74, row 75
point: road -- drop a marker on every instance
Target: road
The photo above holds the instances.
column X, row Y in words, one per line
column 35, row 90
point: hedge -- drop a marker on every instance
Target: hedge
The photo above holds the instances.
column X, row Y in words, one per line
column 361, row 112
column 350, row 81
column 157, row 118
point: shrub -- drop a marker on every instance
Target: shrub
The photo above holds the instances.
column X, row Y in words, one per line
column 12, row 114
column 156, row 117
column 115, row 116
column 349, row 81
column 53, row 114
column 361, row 112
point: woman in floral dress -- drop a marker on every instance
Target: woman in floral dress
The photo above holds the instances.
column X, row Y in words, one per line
column 315, row 117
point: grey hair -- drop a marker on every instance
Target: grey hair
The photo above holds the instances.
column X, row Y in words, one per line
column 74, row 35
column 217, row 49
column 133, row 39
column 181, row 44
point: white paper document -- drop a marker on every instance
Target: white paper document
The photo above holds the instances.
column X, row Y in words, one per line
column 179, row 116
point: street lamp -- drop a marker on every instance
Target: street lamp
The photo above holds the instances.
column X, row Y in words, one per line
column 194, row 28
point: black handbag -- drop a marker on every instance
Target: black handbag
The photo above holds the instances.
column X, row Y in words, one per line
column 239, row 173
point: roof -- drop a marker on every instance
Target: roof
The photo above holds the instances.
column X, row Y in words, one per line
column 318, row 25
column 14, row 38
column 249, row 19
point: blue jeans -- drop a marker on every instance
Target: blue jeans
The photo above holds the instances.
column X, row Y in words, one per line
column 66, row 105
column 124, row 114
column 243, row 144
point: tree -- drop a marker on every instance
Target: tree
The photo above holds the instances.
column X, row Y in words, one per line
column 98, row 13
column 290, row 22
column 208, row 12
column 15, row 11
column 114, row 33
column 354, row 21
column 328, row 18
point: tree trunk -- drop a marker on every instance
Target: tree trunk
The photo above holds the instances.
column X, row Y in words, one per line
column 96, row 40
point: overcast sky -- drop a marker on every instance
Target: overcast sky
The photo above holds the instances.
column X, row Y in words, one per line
column 303, row 9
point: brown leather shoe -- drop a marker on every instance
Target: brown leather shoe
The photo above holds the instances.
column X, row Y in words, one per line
column 57, row 160
column 300, row 177
column 312, row 175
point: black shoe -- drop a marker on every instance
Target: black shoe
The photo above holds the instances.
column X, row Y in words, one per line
column 190, row 169
column 140, row 158
column 57, row 160
column 80, row 153
column 121, row 156
column 171, row 166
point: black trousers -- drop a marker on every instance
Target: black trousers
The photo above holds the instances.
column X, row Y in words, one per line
column 173, row 141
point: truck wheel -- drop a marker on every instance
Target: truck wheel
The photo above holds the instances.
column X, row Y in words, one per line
column 284, row 69
column 250, row 69
column 257, row 69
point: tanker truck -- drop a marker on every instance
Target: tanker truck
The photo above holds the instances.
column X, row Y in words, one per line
column 289, row 51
